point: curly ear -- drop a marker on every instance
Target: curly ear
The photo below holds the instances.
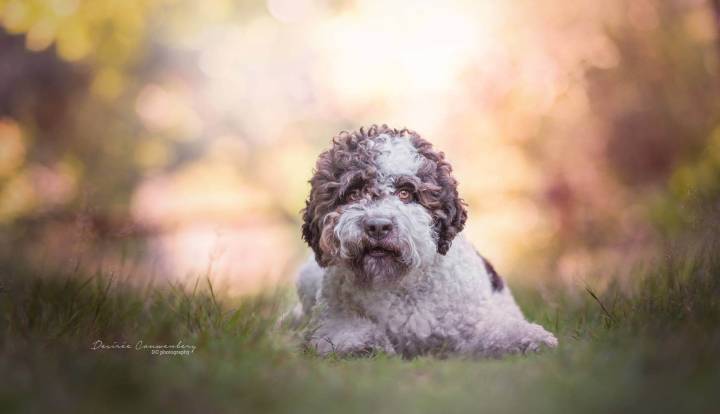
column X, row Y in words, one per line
column 447, row 208
column 452, row 221
column 310, row 230
column 319, row 201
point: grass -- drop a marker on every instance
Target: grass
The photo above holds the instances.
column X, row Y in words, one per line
column 654, row 349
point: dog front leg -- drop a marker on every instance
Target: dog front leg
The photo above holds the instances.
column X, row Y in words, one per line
column 349, row 336
column 501, row 335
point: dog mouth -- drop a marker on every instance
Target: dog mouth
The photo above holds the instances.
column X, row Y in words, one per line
column 379, row 261
column 380, row 249
column 381, row 252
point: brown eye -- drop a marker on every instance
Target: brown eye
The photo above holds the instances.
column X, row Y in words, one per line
column 354, row 195
column 405, row 196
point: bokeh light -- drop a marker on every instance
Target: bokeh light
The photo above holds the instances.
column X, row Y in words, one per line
column 181, row 126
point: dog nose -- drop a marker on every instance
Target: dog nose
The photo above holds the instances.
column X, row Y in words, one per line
column 378, row 227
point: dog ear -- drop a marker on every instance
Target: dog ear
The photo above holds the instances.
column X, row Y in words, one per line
column 443, row 201
column 315, row 205
column 324, row 188
column 452, row 221
column 310, row 231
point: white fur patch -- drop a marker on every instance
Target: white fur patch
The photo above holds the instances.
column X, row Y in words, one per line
column 414, row 228
column 445, row 307
column 397, row 156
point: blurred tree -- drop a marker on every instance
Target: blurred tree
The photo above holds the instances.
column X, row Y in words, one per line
column 95, row 96
column 655, row 112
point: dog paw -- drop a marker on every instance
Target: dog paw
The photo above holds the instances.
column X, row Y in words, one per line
column 536, row 338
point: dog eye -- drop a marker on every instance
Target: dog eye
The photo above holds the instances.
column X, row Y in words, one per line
column 405, row 196
column 354, row 195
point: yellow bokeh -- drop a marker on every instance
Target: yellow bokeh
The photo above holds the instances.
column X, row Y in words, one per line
column 40, row 36
column 152, row 153
column 108, row 83
column 12, row 147
column 73, row 42
column 17, row 197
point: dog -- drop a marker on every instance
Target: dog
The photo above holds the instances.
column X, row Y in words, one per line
column 392, row 272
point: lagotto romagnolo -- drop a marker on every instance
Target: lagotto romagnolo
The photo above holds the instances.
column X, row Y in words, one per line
column 392, row 271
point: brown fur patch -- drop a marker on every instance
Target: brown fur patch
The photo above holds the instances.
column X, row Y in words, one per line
column 439, row 193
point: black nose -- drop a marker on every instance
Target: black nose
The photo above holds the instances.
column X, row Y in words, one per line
column 377, row 227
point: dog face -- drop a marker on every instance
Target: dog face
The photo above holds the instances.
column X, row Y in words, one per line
column 382, row 202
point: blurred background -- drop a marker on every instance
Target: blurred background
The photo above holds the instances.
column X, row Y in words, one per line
column 175, row 138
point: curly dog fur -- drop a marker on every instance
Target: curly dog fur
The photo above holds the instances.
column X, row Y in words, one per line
column 392, row 272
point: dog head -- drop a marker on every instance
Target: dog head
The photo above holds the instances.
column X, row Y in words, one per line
column 382, row 202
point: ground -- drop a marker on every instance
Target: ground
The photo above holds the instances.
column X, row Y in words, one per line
column 650, row 347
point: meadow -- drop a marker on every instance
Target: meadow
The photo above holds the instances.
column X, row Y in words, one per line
column 646, row 347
